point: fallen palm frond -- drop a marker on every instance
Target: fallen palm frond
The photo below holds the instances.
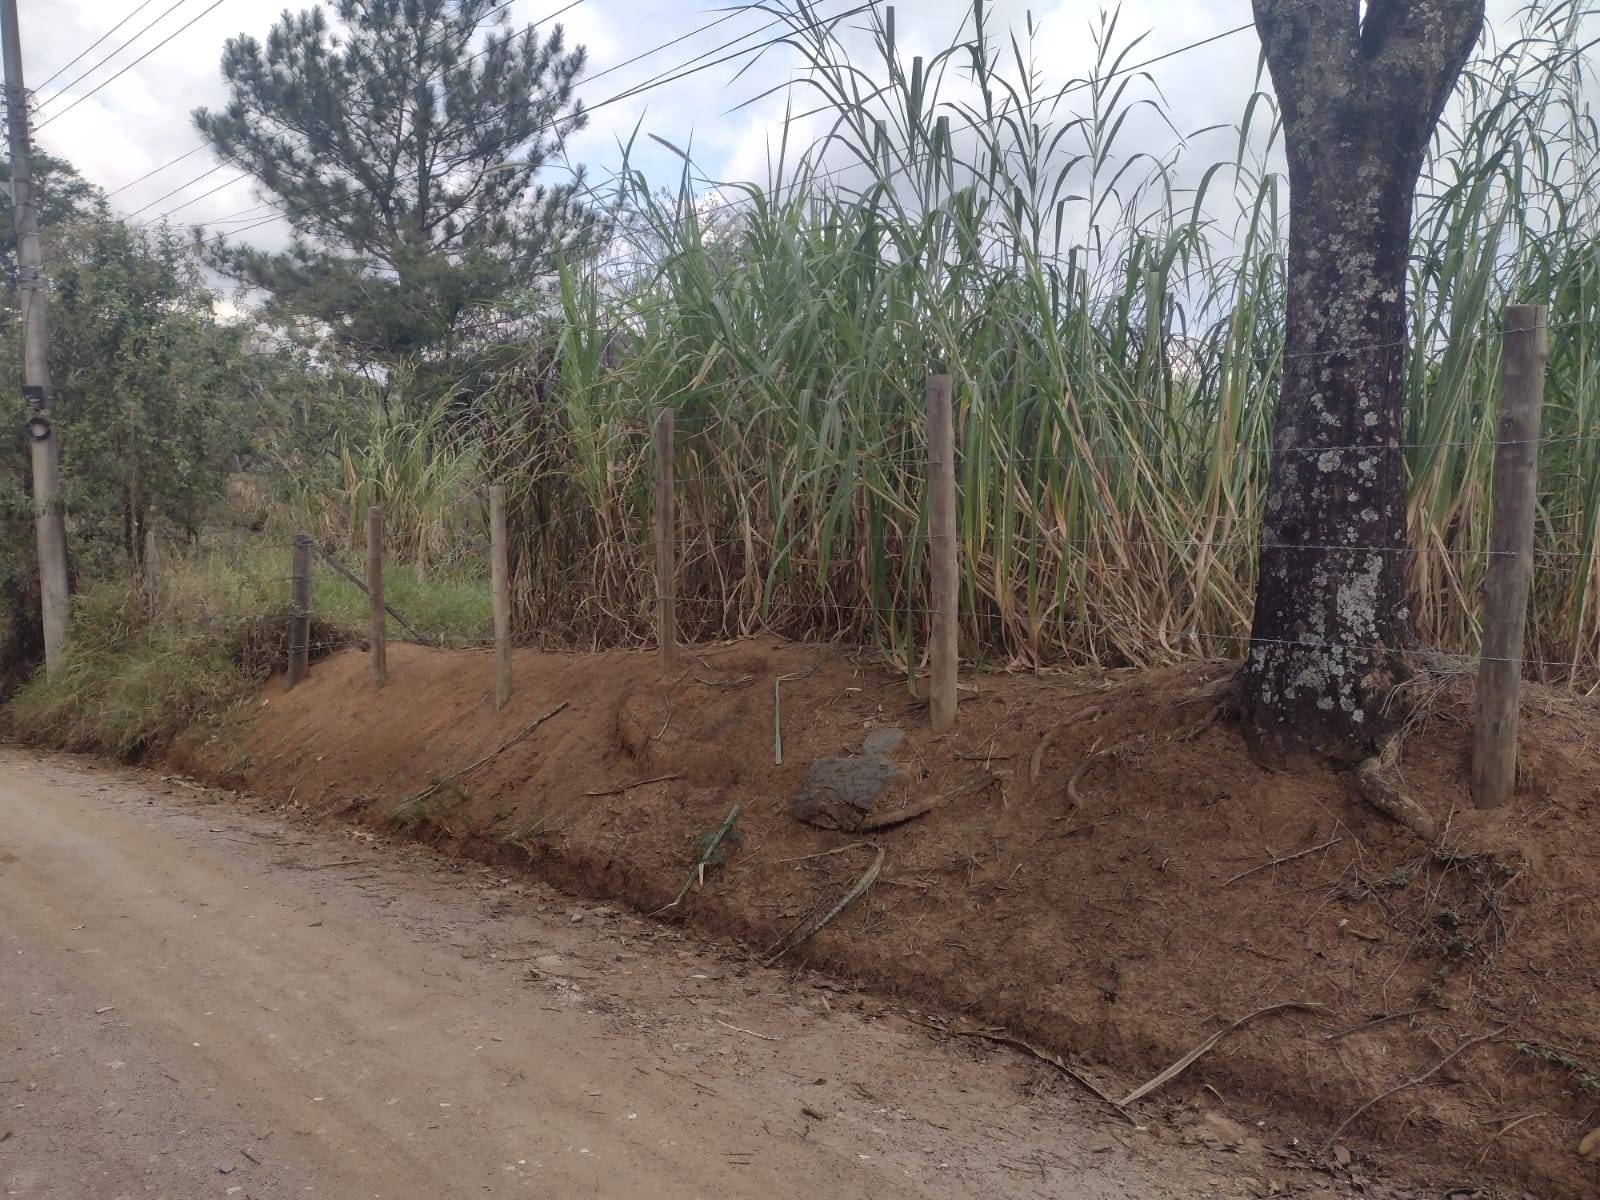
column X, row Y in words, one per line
column 808, row 928
column 1183, row 1064
column 708, row 854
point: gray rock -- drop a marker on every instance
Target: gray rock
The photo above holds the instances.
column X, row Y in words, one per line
column 839, row 792
column 885, row 740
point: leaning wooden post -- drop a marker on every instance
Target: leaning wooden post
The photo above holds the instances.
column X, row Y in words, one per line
column 666, row 526
column 942, row 552
column 1510, row 573
column 500, row 582
column 380, row 649
column 152, row 574
column 300, row 610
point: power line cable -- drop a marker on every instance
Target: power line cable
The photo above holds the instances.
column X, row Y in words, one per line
column 346, row 96
column 671, row 75
column 655, row 81
column 65, row 88
column 106, row 83
column 69, row 65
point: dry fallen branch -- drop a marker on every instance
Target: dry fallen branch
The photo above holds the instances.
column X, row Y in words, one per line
column 900, row 816
column 1188, row 1060
column 1093, row 757
column 802, row 933
column 387, row 607
column 433, row 789
column 1278, row 862
column 765, row 1037
column 1372, row 1024
column 1505, row 1129
column 638, row 783
column 1416, row 1079
column 1044, row 1056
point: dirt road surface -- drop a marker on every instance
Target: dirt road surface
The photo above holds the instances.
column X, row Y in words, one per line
column 200, row 1000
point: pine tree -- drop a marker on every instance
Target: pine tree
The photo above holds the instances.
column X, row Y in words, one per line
column 405, row 156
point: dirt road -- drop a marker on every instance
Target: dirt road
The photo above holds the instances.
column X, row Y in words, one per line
column 198, row 1000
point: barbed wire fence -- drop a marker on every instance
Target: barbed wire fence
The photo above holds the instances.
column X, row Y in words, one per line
column 1510, row 557
column 1500, row 663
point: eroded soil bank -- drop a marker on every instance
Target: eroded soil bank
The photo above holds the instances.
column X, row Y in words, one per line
column 1108, row 874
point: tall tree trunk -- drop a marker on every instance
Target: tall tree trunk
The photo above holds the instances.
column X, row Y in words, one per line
column 1360, row 99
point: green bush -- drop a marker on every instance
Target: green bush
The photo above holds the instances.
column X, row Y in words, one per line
column 129, row 683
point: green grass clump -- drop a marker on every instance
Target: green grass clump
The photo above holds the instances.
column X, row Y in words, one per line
column 130, row 681
column 127, row 685
column 447, row 608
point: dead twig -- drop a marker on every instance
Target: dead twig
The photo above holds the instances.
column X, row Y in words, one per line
column 1278, row 862
column 765, row 1037
column 698, row 872
column 798, row 936
column 777, row 712
column 433, row 789
column 1417, row 1079
column 900, row 816
column 387, row 607
column 628, row 787
column 1188, row 1060
column 1090, row 759
column 1503, row 1130
column 1372, row 1024
column 1055, row 1060
column 1036, row 760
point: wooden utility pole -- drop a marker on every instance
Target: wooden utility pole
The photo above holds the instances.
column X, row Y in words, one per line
column 942, row 553
column 300, row 610
column 1509, row 578
column 152, row 574
column 51, row 526
column 500, row 585
column 380, row 650
column 666, row 522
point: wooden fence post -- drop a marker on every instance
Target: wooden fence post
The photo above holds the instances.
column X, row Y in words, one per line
column 500, row 582
column 1510, row 573
column 942, row 552
column 380, row 649
column 152, row 574
column 300, row 610
column 666, row 523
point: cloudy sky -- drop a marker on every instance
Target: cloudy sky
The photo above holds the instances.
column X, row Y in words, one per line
column 116, row 130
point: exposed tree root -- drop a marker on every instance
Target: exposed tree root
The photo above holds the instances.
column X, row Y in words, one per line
column 1377, row 779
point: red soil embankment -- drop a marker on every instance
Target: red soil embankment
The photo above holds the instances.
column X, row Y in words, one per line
column 1120, row 931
